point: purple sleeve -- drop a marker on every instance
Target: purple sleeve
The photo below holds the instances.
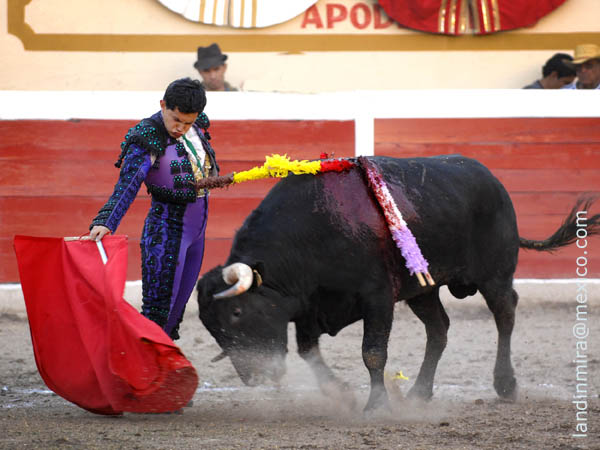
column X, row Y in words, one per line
column 134, row 170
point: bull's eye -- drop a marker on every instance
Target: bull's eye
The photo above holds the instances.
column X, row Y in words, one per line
column 237, row 312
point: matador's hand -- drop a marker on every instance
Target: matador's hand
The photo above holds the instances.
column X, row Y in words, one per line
column 214, row 182
column 98, row 232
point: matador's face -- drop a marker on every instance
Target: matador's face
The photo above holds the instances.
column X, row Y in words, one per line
column 176, row 122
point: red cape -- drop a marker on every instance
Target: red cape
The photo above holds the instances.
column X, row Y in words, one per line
column 91, row 347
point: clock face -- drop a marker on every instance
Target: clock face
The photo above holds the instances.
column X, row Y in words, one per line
column 239, row 13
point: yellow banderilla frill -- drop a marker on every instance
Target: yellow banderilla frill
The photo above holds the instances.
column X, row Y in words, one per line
column 397, row 376
column 278, row 166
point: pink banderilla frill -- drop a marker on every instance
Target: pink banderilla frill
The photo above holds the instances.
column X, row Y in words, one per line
column 401, row 234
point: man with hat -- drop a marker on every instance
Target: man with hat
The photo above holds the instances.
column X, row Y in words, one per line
column 211, row 67
column 587, row 65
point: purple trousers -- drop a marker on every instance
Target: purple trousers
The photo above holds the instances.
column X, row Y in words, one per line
column 172, row 246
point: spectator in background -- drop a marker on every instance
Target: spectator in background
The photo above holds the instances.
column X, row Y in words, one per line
column 211, row 67
column 587, row 65
column 556, row 73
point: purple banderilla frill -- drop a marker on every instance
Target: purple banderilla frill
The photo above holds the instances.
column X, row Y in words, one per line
column 406, row 242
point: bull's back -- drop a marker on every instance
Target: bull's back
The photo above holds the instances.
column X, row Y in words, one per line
column 460, row 214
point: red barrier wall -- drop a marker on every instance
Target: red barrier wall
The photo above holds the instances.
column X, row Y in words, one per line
column 57, row 174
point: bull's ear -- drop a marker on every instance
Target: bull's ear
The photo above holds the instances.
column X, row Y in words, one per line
column 258, row 269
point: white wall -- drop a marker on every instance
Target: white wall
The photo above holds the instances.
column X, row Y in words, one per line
column 416, row 60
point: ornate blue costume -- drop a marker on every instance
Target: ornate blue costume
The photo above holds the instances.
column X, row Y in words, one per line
column 172, row 240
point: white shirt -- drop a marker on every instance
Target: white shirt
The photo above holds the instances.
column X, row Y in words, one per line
column 192, row 136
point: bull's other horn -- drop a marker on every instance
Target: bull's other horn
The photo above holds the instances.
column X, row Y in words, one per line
column 219, row 357
column 241, row 275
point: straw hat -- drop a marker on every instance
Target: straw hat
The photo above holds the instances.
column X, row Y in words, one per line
column 585, row 52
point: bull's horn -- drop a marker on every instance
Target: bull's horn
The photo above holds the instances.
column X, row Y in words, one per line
column 219, row 357
column 241, row 275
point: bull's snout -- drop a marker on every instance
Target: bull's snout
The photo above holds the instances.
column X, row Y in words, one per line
column 254, row 371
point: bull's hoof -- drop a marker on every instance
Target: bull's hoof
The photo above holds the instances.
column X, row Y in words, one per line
column 419, row 392
column 377, row 402
column 381, row 410
column 506, row 388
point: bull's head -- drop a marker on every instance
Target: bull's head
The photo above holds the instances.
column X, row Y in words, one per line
column 247, row 319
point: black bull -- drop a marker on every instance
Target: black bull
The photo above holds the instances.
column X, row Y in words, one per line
column 317, row 252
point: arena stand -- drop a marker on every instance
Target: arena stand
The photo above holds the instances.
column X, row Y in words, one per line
column 58, row 157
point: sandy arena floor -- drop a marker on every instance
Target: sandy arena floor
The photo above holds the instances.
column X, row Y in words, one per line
column 465, row 412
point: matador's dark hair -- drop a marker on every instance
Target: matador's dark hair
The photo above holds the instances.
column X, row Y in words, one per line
column 185, row 94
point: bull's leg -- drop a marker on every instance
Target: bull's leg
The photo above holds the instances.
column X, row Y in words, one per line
column 330, row 385
column 502, row 300
column 430, row 310
column 308, row 349
column 377, row 323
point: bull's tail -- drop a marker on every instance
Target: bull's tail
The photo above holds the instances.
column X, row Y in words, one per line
column 567, row 233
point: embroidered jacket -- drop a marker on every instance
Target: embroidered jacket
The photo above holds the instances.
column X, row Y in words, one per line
column 169, row 179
